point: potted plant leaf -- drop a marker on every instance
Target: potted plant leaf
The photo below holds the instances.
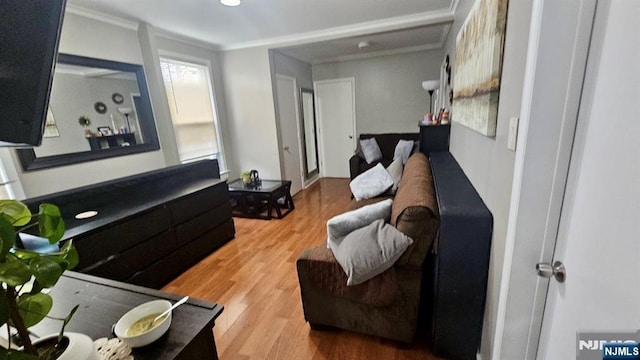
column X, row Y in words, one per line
column 21, row 307
column 85, row 122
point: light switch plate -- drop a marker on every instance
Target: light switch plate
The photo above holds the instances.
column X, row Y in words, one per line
column 513, row 133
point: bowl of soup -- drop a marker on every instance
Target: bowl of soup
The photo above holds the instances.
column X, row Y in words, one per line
column 137, row 327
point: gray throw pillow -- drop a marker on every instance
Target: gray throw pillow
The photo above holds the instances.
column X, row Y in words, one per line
column 395, row 171
column 342, row 225
column 369, row 251
column 371, row 183
column 370, row 150
column 403, row 150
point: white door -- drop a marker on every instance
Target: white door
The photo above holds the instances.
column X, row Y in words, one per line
column 598, row 237
column 551, row 101
column 289, row 131
column 335, row 107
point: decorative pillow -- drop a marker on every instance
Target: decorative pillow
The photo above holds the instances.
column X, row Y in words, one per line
column 371, row 183
column 403, row 150
column 342, row 225
column 370, row 150
column 395, row 171
column 369, row 251
column 416, row 147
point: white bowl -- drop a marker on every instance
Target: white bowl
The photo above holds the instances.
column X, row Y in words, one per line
column 137, row 313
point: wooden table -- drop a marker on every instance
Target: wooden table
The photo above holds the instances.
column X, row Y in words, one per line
column 103, row 302
column 258, row 201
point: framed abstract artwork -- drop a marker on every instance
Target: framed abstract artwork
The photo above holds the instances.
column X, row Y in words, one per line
column 478, row 66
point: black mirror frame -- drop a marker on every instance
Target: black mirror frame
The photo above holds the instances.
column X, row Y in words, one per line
column 309, row 174
column 30, row 161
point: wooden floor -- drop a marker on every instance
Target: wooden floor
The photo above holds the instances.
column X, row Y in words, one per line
column 254, row 277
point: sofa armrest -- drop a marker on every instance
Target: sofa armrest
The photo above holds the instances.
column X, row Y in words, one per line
column 320, row 273
column 354, row 166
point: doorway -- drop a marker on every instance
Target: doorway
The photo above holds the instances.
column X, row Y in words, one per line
column 289, row 129
column 575, row 194
column 336, row 114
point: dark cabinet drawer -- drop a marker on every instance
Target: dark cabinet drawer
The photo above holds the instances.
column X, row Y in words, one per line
column 122, row 266
column 161, row 272
column 202, row 223
column 199, row 202
column 120, row 237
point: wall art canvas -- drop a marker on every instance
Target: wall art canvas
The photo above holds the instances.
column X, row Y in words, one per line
column 478, row 66
column 50, row 127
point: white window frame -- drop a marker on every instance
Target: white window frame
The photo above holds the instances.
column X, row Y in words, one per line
column 188, row 59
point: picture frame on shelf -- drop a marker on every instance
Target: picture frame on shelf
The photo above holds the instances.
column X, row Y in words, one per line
column 105, row 130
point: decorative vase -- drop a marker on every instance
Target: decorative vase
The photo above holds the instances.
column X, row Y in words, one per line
column 79, row 346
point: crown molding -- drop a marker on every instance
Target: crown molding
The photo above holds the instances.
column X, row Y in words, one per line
column 454, row 6
column 377, row 26
column 374, row 54
column 160, row 32
column 99, row 16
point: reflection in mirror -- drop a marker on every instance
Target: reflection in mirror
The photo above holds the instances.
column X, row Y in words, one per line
column 101, row 108
column 309, row 135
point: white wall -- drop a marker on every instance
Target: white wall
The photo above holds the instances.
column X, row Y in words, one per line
column 286, row 65
column 250, row 112
column 91, row 38
column 389, row 94
column 87, row 37
column 486, row 161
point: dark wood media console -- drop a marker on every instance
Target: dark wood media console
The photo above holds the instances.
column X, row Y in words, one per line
column 150, row 227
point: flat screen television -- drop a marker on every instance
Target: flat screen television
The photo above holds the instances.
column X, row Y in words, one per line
column 29, row 35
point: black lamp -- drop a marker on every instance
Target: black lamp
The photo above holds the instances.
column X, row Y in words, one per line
column 430, row 86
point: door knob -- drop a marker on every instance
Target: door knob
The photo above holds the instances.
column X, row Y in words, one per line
column 286, row 148
column 558, row 271
column 350, row 137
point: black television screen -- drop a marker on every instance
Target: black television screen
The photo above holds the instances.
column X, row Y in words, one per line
column 29, row 34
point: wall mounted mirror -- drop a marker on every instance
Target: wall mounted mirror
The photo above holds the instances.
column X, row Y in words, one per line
column 101, row 108
column 309, row 134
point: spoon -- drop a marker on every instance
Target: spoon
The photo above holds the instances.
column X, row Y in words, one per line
column 178, row 303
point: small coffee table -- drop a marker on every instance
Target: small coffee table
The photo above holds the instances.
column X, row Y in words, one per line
column 258, row 201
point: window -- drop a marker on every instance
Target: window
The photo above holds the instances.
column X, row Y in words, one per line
column 193, row 113
column 6, row 191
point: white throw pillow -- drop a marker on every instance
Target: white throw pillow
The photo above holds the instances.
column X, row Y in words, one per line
column 370, row 250
column 403, row 150
column 371, row 183
column 342, row 225
column 395, row 171
column 370, row 150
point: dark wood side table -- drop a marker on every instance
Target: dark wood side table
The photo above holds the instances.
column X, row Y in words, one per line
column 434, row 138
column 258, row 201
column 102, row 302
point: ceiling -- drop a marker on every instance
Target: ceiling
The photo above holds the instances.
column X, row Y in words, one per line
column 334, row 27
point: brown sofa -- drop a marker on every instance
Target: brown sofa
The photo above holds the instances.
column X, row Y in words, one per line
column 387, row 305
column 387, row 144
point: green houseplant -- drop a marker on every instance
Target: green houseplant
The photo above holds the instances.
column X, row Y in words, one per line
column 85, row 122
column 246, row 177
column 20, row 308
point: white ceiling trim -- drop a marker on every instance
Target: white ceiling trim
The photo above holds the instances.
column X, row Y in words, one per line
column 187, row 40
column 99, row 16
column 454, row 6
column 374, row 54
column 378, row 26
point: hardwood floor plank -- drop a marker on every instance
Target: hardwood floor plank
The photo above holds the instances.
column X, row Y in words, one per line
column 254, row 277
